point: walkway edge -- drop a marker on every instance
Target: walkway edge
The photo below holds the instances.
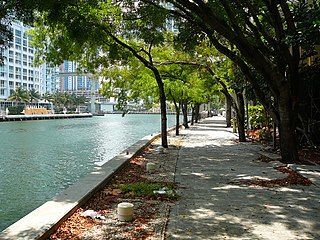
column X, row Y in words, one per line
column 43, row 221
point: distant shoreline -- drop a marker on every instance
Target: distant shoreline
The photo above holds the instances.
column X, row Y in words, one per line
column 13, row 118
column 135, row 112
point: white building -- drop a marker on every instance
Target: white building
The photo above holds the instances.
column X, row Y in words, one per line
column 18, row 68
column 50, row 79
column 171, row 24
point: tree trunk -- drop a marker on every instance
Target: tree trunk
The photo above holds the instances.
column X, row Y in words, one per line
column 163, row 108
column 177, row 123
column 177, row 107
column 192, row 115
column 288, row 141
column 240, row 111
column 185, row 113
column 241, row 118
column 197, row 112
column 164, row 135
column 149, row 64
column 274, row 136
column 228, row 112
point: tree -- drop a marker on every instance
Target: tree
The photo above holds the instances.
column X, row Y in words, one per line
column 11, row 10
column 97, row 31
column 222, row 70
column 33, row 95
column 60, row 99
column 183, row 86
column 80, row 100
column 232, row 82
column 20, row 95
column 184, row 81
column 47, row 97
column 174, row 93
column 130, row 82
column 261, row 37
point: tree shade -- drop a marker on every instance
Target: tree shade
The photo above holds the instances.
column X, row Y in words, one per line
column 263, row 38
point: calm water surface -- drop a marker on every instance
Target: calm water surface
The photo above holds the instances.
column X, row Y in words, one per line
column 38, row 159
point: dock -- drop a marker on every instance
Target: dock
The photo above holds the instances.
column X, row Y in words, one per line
column 8, row 118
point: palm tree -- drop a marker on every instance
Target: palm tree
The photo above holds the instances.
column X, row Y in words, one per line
column 61, row 99
column 33, row 95
column 67, row 99
column 73, row 100
column 57, row 99
column 80, row 100
column 19, row 95
column 48, row 97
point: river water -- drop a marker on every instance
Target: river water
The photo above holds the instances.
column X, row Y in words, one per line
column 38, row 159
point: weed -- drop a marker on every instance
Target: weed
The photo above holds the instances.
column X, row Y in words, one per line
column 146, row 189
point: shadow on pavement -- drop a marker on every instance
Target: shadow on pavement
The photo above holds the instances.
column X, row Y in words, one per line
column 212, row 207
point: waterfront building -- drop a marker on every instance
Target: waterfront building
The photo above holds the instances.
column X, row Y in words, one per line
column 18, row 68
column 73, row 81
column 51, row 79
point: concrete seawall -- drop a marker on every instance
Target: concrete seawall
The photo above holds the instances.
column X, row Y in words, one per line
column 43, row 221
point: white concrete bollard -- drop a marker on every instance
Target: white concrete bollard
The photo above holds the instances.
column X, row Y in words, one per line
column 125, row 211
column 151, row 167
column 160, row 149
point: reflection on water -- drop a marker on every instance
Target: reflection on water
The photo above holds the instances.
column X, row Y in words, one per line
column 40, row 158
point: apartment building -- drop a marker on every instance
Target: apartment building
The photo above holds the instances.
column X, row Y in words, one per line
column 18, row 68
column 72, row 81
column 50, row 79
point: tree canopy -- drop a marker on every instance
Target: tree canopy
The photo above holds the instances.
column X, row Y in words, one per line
column 11, row 10
column 267, row 40
column 100, row 32
column 264, row 38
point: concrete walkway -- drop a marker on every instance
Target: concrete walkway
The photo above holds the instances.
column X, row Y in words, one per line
column 212, row 206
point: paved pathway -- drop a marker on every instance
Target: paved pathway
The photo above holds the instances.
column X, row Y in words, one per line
column 211, row 207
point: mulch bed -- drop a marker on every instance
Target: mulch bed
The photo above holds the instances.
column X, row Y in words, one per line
column 149, row 213
column 308, row 155
column 293, row 179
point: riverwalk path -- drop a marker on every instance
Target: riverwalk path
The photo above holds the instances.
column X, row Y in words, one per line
column 215, row 205
column 210, row 169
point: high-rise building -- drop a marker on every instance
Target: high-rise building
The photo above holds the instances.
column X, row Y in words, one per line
column 171, row 24
column 72, row 81
column 51, row 80
column 18, row 68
